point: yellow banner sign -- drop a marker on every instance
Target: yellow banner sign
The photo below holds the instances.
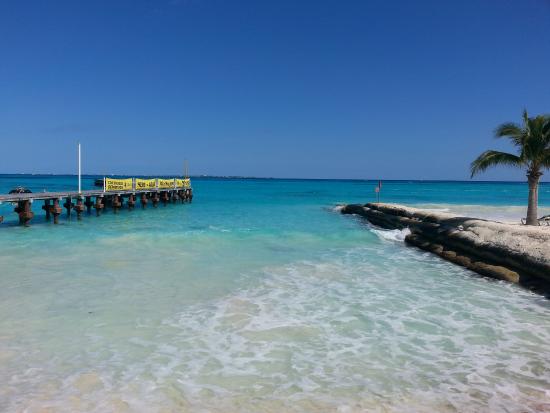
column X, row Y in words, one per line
column 118, row 184
column 183, row 183
column 166, row 183
column 146, row 183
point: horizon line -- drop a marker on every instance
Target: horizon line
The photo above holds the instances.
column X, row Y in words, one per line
column 271, row 178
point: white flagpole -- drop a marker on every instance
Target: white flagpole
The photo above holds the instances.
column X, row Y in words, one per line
column 79, row 171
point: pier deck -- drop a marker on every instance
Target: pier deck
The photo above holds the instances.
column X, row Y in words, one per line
column 75, row 194
column 102, row 199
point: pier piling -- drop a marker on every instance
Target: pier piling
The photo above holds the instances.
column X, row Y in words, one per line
column 88, row 204
column 68, row 205
column 116, row 203
column 23, row 209
column 98, row 205
column 55, row 210
column 155, row 199
column 131, row 201
column 79, row 207
column 46, row 208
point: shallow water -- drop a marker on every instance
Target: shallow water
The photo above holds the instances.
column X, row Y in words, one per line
column 259, row 296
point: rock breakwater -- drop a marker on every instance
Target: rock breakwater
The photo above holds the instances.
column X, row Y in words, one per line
column 515, row 253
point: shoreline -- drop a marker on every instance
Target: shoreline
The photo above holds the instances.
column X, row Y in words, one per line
column 269, row 178
column 511, row 252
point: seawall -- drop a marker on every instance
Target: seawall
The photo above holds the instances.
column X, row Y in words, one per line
column 515, row 253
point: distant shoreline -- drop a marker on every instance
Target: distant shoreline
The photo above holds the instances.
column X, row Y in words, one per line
column 372, row 180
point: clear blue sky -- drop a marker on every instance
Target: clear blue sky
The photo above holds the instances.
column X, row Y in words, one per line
column 328, row 89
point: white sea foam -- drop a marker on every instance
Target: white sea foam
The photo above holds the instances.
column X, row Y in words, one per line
column 349, row 332
column 309, row 318
column 392, row 234
column 277, row 339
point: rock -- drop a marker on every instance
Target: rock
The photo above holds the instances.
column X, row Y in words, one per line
column 119, row 405
column 88, row 382
column 496, row 271
column 515, row 253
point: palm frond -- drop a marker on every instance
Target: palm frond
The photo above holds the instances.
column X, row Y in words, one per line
column 493, row 158
column 532, row 138
column 537, row 140
column 525, row 117
column 546, row 129
column 512, row 131
column 545, row 159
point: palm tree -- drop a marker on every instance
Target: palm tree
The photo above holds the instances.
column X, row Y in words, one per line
column 532, row 140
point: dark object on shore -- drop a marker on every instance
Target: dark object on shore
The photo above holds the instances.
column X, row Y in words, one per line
column 20, row 190
column 515, row 253
column 545, row 220
column 98, row 182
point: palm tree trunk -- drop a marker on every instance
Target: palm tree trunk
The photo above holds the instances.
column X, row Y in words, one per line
column 533, row 177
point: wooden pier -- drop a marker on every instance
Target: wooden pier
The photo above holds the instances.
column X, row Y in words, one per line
column 100, row 200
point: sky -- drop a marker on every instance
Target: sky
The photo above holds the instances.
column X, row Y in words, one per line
column 367, row 89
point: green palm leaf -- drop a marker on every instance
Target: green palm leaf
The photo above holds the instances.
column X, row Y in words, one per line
column 511, row 130
column 532, row 139
column 493, row 158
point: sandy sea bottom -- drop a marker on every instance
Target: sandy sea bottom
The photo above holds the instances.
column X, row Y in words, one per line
column 369, row 328
column 280, row 305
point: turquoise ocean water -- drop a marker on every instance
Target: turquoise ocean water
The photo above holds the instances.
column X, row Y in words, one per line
column 261, row 297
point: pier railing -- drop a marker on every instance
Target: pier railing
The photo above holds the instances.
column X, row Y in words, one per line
column 128, row 184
